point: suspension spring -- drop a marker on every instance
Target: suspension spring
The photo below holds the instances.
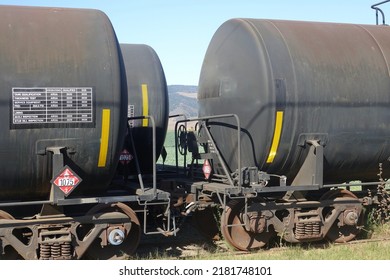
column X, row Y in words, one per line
column 66, row 250
column 55, row 250
column 44, row 251
column 307, row 230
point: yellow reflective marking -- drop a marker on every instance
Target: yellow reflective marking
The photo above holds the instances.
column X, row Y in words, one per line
column 276, row 139
column 104, row 137
column 145, row 104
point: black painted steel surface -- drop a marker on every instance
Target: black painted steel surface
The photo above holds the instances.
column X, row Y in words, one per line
column 295, row 81
column 62, row 85
column 147, row 96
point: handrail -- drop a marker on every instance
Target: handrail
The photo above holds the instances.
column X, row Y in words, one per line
column 151, row 118
column 207, row 118
column 380, row 11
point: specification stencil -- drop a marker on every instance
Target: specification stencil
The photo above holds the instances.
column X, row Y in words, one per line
column 52, row 105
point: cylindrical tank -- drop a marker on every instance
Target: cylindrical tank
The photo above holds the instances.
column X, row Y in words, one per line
column 62, row 85
column 290, row 82
column 147, row 96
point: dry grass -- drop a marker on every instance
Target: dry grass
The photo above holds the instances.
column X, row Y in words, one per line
column 370, row 250
column 201, row 250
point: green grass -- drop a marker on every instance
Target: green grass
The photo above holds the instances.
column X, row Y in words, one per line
column 366, row 251
column 370, row 250
column 169, row 145
column 363, row 251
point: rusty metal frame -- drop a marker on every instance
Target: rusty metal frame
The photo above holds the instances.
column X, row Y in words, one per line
column 30, row 250
column 309, row 178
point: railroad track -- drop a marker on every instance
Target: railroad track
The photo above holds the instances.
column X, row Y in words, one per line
column 192, row 250
column 190, row 244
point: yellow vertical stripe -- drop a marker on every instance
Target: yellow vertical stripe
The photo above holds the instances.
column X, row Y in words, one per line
column 104, row 137
column 145, row 104
column 276, row 139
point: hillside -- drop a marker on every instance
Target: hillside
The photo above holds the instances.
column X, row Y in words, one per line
column 183, row 100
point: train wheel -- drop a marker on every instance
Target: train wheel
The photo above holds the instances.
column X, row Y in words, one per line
column 206, row 222
column 341, row 232
column 10, row 253
column 232, row 229
column 129, row 244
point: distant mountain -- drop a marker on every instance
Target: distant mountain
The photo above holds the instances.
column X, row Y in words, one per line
column 183, row 100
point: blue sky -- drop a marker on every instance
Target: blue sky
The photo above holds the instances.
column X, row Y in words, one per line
column 180, row 31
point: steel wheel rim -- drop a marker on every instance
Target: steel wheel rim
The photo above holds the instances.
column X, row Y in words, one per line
column 344, row 233
column 129, row 245
column 237, row 236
